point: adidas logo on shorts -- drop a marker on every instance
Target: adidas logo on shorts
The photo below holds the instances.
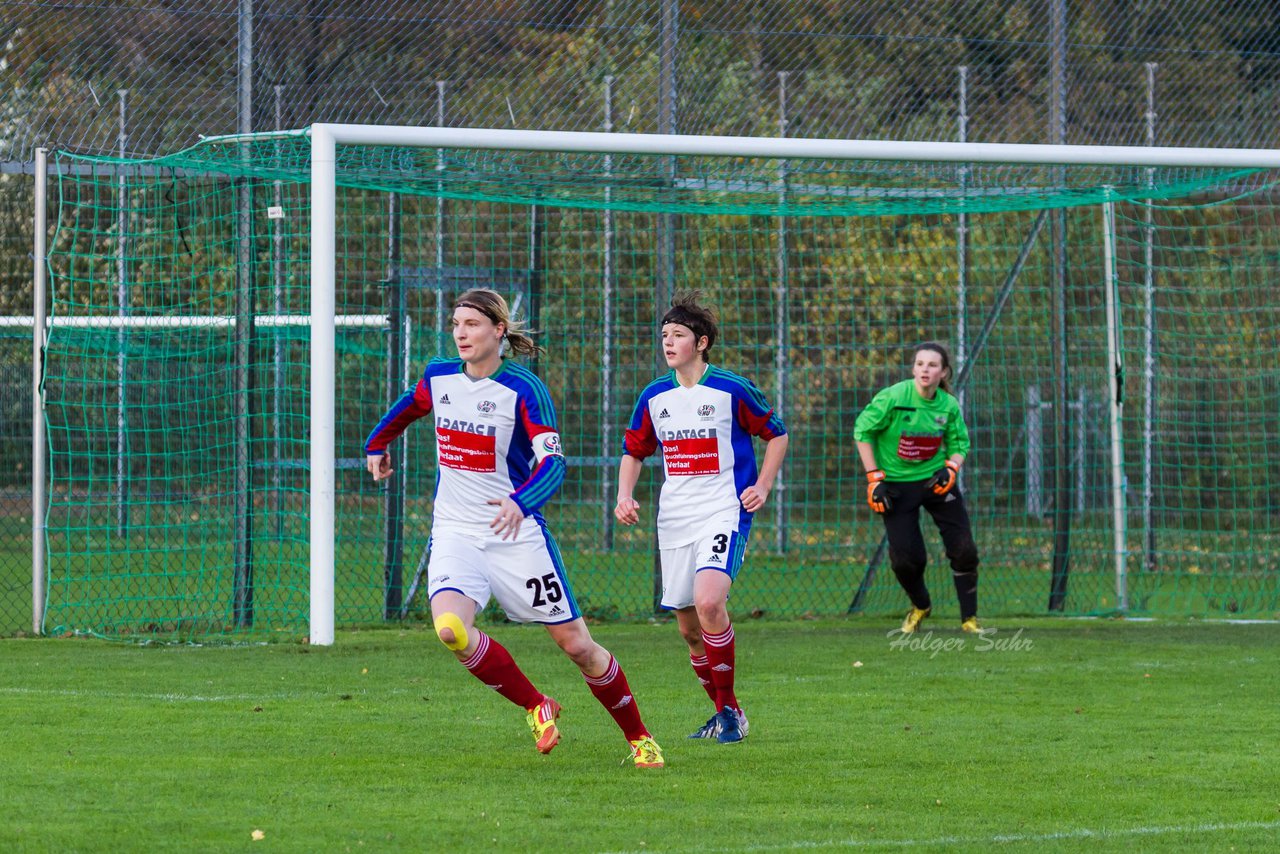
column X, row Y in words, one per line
column 555, row 611
column 715, row 558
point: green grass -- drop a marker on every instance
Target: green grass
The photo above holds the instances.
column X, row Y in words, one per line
column 1065, row 734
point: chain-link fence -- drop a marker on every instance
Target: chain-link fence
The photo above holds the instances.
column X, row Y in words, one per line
column 149, row 77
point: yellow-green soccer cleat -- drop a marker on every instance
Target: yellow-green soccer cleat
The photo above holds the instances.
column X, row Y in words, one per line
column 972, row 626
column 542, row 723
column 646, row 753
column 914, row 618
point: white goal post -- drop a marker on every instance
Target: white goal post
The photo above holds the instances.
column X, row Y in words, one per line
column 326, row 137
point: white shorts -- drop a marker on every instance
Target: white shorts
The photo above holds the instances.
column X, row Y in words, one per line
column 722, row 552
column 526, row 575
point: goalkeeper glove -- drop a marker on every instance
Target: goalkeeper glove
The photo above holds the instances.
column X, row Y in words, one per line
column 945, row 478
column 878, row 492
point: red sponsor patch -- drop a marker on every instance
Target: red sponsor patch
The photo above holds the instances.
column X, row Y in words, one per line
column 690, row 457
column 918, row 448
column 466, row 451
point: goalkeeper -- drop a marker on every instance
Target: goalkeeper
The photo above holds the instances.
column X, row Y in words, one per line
column 912, row 441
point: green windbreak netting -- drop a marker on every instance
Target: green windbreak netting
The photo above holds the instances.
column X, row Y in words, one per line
column 178, row 380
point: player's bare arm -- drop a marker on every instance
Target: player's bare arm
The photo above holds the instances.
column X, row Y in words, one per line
column 754, row 496
column 627, row 510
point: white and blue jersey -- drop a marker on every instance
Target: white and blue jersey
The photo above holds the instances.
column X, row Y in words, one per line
column 495, row 437
column 707, row 455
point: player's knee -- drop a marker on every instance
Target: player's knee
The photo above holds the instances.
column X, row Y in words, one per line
column 965, row 558
column 711, row 608
column 451, row 631
column 575, row 641
column 579, row 649
column 692, row 635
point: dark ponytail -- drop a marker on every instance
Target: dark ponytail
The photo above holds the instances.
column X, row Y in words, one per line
column 935, row 347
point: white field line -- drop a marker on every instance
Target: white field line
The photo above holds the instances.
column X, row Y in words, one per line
column 1002, row 838
column 179, row 698
column 198, row 321
column 1228, row 621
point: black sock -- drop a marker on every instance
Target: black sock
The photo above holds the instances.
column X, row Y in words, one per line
column 916, row 591
column 967, row 593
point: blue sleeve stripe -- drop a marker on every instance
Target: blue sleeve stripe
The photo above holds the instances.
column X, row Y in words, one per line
column 529, row 382
column 661, row 384
column 637, row 414
column 742, row 387
column 542, row 484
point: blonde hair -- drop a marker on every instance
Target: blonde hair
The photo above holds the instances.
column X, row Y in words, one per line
column 491, row 304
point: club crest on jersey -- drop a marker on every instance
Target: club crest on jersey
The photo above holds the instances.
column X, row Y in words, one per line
column 941, row 420
column 706, row 410
column 486, row 406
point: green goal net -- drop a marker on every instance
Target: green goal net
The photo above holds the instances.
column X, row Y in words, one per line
column 1136, row 477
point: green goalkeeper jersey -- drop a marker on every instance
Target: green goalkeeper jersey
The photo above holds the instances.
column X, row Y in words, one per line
column 912, row 437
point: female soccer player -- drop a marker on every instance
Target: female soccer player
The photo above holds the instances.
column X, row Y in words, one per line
column 499, row 461
column 912, row 441
column 703, row 418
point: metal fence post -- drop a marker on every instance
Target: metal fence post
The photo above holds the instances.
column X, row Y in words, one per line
column 606, row 350
column 39, row 290
column 780, row 319
column 122, row 335
column 1149, row 342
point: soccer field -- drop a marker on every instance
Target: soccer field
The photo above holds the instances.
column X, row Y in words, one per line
column 1049, row 735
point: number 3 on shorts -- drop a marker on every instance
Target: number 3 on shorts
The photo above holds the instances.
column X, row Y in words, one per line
column 722, row 551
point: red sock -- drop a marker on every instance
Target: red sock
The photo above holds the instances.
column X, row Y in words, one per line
column 720, row 659
column 703, row 671
column 613, row 692
column 494, row 666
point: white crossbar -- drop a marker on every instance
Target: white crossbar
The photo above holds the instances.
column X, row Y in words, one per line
column 109, row 321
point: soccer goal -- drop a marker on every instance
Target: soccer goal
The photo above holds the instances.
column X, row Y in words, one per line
column 228, row 322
